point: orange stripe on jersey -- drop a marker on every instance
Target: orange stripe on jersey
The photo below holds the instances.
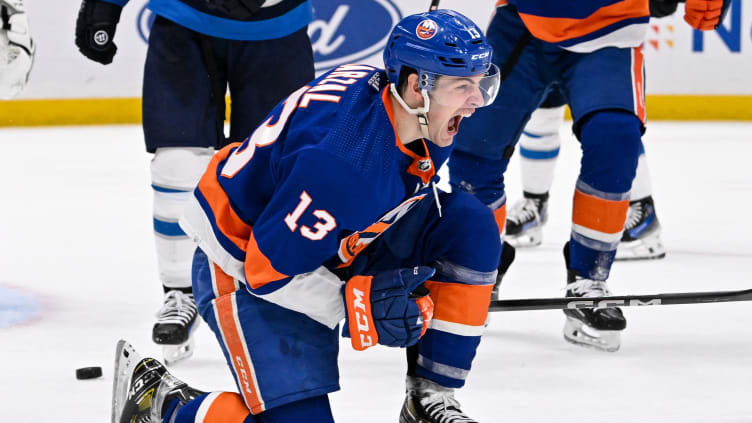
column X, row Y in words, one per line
column 353, row 244
column 227, row 407
column 258, row 269
column 502, row 3
column 225, row 309
column 500, row 215
column 600, row 215
column 227, row 221
column 223, row 283
column 460, row 303
column 638, row 64
column 554, row 30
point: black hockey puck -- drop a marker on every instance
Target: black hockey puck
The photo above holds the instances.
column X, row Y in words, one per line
column 88, row 372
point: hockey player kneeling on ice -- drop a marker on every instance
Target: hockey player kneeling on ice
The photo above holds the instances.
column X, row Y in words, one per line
column 16, row 48
column 330, row 211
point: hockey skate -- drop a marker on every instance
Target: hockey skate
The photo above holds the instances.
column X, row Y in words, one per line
column 176, row 321
column 142, row 389
column 429, row 402
column 525, row 222
column 598, row 328
column 642, row 233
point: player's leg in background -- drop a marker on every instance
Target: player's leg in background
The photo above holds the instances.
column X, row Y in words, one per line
column 605, row 90
column 263, row 73
column 539, row 150
column 642, row 232
column 486, row 141
column 181, row 130
column 175, row 171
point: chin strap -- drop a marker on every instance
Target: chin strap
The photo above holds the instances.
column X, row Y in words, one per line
column 420, row 112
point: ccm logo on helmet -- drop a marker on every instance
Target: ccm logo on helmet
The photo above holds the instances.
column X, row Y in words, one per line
column 426, row 29
column 479, row 56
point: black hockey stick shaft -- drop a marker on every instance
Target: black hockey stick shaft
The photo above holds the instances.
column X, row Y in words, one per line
column 434, row 5
column 620, row 301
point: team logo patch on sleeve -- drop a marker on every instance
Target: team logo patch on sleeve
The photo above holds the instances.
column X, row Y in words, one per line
column 426, row 29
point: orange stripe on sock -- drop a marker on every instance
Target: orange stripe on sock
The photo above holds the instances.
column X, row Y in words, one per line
column 228, row 407
column 227, row 319
column 600, row 215
column 500, row 215
column 460, row 303
column 258, row 269
column 226, row 219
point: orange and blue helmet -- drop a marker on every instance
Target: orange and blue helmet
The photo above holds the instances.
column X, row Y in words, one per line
column 440, row 42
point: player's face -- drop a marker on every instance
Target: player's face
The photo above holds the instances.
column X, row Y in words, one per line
column 452, row 98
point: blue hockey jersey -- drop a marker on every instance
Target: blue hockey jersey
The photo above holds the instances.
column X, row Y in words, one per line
column 585, row 25
column 326, row 164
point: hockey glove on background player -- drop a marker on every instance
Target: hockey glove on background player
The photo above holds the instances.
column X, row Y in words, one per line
column 95, row 30
column 662, row 8
column 392, row 308
column 16, row 48
column 705, row 14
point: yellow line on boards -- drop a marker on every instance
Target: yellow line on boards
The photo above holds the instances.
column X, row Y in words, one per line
column 106, row 111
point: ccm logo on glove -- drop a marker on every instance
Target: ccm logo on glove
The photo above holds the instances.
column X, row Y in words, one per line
column 392, row 308
column 363, row 333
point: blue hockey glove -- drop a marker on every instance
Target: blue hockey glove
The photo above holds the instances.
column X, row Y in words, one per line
column 392, row 308
column 95, row 30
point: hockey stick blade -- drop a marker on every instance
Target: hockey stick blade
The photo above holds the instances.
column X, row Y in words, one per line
column 620, row 301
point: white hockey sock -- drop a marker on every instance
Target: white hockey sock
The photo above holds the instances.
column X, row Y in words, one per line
column 175, row 173
column 641, row 184
column 539, row 149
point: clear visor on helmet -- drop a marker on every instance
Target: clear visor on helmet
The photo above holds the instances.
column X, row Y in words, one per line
column 464, row 91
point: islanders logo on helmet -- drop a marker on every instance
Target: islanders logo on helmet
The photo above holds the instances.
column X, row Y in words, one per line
column 426, row 29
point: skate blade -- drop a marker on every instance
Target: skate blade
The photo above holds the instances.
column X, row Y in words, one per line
column 648, row 248
column 406, row 415
column 126, row 359
column 526, row 239
column 578, row 333
column 176, row 353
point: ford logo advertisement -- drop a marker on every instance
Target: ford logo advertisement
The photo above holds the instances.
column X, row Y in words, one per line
column 350, row 31
column 342, row 31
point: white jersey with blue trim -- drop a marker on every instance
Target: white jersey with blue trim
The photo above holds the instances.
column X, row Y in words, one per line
column 275, row 19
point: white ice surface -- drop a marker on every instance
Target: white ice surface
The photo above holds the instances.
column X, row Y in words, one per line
column 75, row 234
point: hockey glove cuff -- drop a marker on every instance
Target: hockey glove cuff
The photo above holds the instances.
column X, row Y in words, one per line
column 392, row 308
column 95, row 30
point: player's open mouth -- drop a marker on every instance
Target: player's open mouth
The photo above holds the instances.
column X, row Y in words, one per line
column 454, row 125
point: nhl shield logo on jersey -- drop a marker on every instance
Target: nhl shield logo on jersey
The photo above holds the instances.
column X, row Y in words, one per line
column 424, row 165
column 426, row 29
